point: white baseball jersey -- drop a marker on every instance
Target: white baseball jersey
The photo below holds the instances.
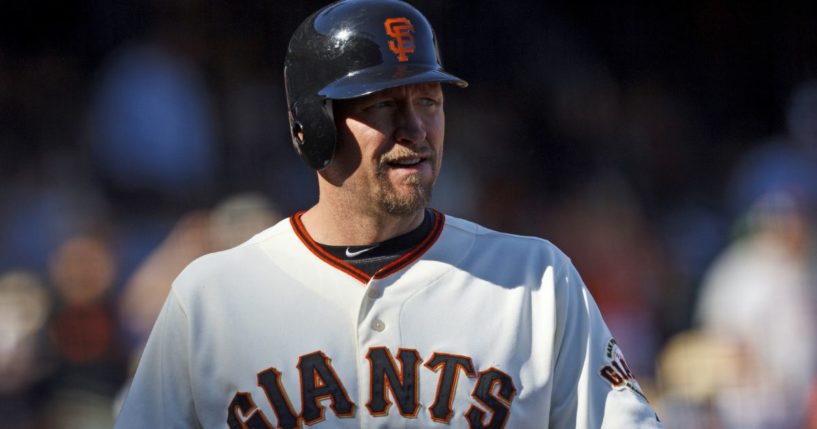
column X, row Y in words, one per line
column 470, row 329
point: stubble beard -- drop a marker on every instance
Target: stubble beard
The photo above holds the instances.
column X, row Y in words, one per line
column 403, row 202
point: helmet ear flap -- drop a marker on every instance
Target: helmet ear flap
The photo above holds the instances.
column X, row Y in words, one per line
column 312, row 128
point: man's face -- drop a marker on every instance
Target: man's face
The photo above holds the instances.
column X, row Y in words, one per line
column 389, row 148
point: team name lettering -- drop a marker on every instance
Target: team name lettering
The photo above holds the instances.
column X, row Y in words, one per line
column 270, row 381
column 318, row 382
column 403, row 384
column 490, row 381
column 243, row 413
column 617, row 372
column 392, row 382
column 450, row 367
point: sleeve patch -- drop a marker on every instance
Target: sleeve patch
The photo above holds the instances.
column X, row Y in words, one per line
column 615, row 370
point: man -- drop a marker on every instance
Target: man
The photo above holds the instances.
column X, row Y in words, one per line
column 369, row 309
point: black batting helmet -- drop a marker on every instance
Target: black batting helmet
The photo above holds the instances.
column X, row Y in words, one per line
column 349, row 49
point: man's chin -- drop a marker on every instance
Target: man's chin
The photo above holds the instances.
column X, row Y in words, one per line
column 406, row 200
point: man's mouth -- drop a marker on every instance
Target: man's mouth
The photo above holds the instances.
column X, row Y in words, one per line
column 405, row 162
column 408, row 160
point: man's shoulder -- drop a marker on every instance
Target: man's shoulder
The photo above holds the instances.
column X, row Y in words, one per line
column 490, row 240
column 485, row 233
column 231, row 263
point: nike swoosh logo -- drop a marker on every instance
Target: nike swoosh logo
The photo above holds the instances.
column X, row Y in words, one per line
column 350, row 254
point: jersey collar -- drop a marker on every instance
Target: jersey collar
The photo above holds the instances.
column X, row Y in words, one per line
column 403, row 261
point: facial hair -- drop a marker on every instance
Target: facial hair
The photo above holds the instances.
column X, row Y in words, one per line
column 403, row 202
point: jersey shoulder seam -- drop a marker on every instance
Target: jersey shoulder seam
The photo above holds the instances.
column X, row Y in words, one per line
column 279, row 228
column 201, row 269
column 477, row 229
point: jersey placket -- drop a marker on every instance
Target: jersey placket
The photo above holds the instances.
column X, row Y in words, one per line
column 378, row 335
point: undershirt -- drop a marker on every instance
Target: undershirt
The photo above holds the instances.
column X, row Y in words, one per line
column 370, row 258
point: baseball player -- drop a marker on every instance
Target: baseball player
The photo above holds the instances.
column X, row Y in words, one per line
column 369, row 309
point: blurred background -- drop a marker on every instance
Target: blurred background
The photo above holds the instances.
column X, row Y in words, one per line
column 670, row 149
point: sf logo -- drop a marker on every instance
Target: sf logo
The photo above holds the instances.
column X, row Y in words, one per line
column 400, row 30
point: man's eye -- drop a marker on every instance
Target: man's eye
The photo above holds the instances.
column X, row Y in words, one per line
column 381, row 104
column 427, row 102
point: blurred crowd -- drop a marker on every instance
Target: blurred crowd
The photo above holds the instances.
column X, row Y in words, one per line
column 137, row 136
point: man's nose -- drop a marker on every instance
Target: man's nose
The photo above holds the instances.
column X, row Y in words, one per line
column 410, row 126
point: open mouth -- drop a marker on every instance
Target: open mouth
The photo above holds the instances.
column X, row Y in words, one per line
column 405, row 162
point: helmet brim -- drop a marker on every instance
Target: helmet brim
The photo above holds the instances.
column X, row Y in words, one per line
column 376, row 79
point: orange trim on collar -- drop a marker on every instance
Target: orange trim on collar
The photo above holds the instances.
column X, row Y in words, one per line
column 400, row 263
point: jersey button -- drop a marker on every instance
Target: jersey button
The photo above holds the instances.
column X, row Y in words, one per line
column 375, row 293
column 378, row 325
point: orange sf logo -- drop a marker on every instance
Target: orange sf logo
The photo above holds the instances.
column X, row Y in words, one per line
column 400, row 30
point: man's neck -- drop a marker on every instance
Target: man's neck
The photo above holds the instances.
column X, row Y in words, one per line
column 350, row 226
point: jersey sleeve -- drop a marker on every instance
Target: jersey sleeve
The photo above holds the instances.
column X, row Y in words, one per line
column 593, row 386
column 160, row 395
